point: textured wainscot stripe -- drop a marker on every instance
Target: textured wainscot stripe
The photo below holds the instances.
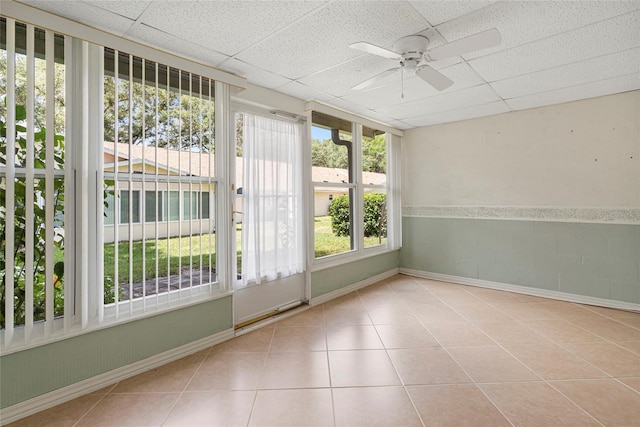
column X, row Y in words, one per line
column 589, row 259
column 597, row 215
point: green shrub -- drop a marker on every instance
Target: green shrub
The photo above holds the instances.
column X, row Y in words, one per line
column 339, row 213
column 375, row 217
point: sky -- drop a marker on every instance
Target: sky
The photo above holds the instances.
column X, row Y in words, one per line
column 320, row 133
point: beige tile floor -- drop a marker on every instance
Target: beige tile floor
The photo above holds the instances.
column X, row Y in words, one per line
column 402, row 352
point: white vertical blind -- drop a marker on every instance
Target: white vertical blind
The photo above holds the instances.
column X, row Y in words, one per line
column 272, row 244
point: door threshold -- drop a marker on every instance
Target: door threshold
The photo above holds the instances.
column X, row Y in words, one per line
column 284, row 311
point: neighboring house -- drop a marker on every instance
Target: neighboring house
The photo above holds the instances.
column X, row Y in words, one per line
column 180, row 207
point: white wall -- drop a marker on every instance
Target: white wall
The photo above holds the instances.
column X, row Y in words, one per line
column 584, row 153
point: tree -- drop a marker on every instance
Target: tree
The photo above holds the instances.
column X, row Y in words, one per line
column 327, row 154
column 177, row 121
column 20, row 221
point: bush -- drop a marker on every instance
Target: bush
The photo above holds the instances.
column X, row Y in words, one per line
column 339, row 213
column 375, row 216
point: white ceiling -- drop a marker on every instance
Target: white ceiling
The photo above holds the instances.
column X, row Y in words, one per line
column 551, row 51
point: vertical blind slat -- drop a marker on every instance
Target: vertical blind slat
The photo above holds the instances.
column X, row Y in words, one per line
column 49, row 179
column 69, row 200
column 116, row 186
column 10, row 183
column 29, row 181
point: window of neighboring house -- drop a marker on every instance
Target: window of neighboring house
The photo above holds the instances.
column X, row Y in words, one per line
column 158, row 132
column 37, row 266
column 349, row 174
column 129, row 203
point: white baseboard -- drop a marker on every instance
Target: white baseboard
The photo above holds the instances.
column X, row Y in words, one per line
column 543, row 293
column 64, row 394
column 353, row 287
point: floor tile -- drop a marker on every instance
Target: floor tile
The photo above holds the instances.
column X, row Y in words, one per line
column 257, row 341
column 536, row 404
column 457, row 298
column 633, row 346
column 130, row 409
column 346, row 316
column 482, row 312
column 610, row 329
column 552, row 362
column 63, row 415
column 229, row 371
column 560, row 330
column 374, row 406
column 401, row 286
column 301, row 407
column 455, row 405
column 298, row 338
column 353, row 337
column 212, row 408
column 491, row 364
column 527, row 311
column 311, row 317
column 612, row 359
column 351, row 300
column 427, row 366
column 418, row 299
column 392, row 315
column 633, row 382
column 607, row 400
column 458, row 334
column 507, row 333
column 172, row 377
column 567, row 310
column 405, row 336
column 295, row 370
column 493, row 296
column 356, row 368
column 429, row 314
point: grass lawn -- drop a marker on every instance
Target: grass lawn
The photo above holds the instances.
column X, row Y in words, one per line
column 326, row 243
column 184, row 253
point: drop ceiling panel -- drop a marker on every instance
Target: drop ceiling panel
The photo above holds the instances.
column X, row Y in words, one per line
column 304, row 92
column 437, row 12
column 594, row 69
column 169, row 43
column 253, row 74
column 415, row 88
column 492, row 108
column 320, row 40
column 128, row 9
column 228, row 26
column 340, row 79
column 445, row 102
column 87, row 14
column 622, row 33
column 589, row 90
column 523, row 22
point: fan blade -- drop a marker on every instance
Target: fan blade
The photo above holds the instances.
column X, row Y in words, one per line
column 483, row 40
column 375, row 79
column 435, row 78
column 376, row 50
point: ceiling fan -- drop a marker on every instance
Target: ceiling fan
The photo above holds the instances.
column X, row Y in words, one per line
column 413, row 54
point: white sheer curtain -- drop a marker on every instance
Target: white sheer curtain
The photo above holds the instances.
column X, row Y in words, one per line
column 272, row 244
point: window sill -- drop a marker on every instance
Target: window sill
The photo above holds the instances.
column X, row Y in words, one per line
column 348, row 257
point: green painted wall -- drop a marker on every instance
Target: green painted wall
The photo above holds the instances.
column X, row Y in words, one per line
column 334, row 278
column 30, row 373
column 598, row 260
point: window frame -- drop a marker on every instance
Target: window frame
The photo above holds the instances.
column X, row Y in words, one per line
column 391, row 187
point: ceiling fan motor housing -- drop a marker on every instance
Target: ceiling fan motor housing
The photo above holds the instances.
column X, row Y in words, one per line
column 411, row 47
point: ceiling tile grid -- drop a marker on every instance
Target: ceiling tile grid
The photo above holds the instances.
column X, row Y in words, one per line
column 551, row 51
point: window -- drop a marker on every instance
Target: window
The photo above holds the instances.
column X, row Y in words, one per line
column 349, row 174
column 34, row 254
column 374, row 184
column 158, row 129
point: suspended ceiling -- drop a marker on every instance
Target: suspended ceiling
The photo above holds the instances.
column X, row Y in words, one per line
column 551, row 51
